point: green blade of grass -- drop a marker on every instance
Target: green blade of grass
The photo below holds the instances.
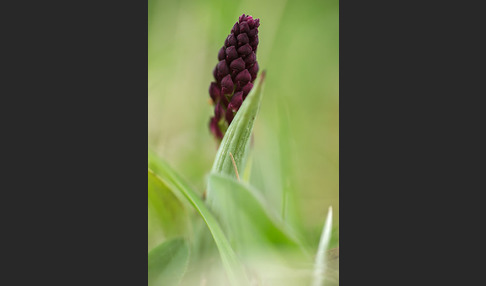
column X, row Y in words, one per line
column 320, row 264
column 167, row 263
column 231, row 263
column 167, row 215
column 237, row 138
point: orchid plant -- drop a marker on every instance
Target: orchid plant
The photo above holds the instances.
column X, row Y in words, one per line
column 232, row 235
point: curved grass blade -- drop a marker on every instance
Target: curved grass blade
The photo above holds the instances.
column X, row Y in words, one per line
column 167, row 263
column 233, row 267
column 237, row 137
column 320, row 264
column 167, row 215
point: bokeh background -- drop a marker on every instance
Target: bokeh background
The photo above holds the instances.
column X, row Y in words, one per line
column 296, row 136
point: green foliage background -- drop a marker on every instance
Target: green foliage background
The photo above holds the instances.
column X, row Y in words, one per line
column 296, row 135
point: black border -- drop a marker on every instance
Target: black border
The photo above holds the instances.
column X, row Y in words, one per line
column 75, row 103
column 75, row 123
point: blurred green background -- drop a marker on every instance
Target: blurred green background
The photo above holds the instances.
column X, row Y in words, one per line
column 296, row 135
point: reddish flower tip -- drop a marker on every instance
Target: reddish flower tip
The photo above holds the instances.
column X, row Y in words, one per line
column 235, row 72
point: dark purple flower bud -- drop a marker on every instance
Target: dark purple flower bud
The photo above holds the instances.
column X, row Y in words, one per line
column 251, row 22
column 214, row 91
column 246, row 89
column 230, row 40
column 227, row 85
column 242, row 39
column 253, row 33
column 222, row 68
column 236, row 29
column 254, row 70
column 236, row 101
column 244, row 28
column 257, row 23
column 250, row 59
column 213, row 126
column 221, row 54
column 245, row 50
column 237, row 65
column 231, row 53
column 242, row 18
column 243, row 76
column 229, row 115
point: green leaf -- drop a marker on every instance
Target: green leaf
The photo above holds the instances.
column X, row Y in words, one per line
column 245, row 214
column 237, row 138
column 320, row 264
column 166, row 215
column 167, row 263
column 231, row 263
